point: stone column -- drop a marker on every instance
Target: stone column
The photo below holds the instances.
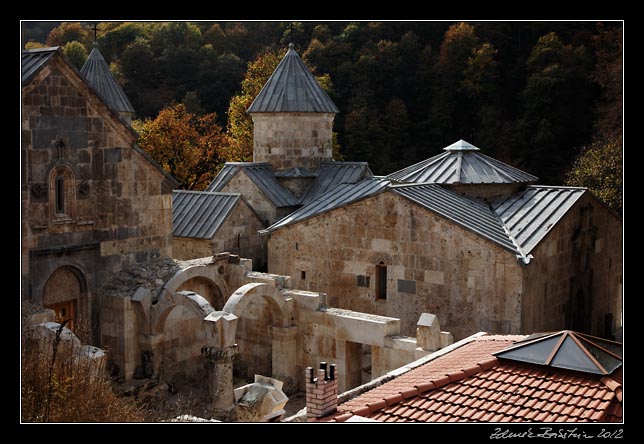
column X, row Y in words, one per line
column 284, row 359
column 220, row 381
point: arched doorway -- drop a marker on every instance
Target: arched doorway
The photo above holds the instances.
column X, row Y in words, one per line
column 65, row 293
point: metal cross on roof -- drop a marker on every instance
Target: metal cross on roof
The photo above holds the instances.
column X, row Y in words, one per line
column 95, row 28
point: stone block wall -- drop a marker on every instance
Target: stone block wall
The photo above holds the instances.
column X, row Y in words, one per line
column 238, row 235
column 242, row 184
column 433, row 266
column 575, row 277
column 117, row 202
column 288, row 140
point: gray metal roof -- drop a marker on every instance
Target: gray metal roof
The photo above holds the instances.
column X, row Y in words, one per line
column 529, row 215
column 292, row 88
column 339, row 196
column 333, row 173
column 98, row 75
column 295, row 172
column 261, row 174
column 34, row 59
column 462, row 163
column 469, row 213
column 199, row 214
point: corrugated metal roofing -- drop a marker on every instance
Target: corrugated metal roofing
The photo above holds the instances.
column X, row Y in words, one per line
column 331, row 174
column 34, row 59
column 339, row 196
column 292, row 88
column 530, row 214
column 295, row 172
column 261, row 174
column 199, row 214
column 469, row 213
column 462, row 163
column 98, row 75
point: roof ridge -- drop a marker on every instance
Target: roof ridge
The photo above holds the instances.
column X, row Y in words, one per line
column 613, row 385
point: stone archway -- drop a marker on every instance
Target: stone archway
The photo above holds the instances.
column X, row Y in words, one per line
column 266, row 338
column 206, row 288
column 65, row 292
column 205, row 280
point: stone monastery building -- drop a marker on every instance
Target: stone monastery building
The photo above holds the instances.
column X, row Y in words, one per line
column 390, row 269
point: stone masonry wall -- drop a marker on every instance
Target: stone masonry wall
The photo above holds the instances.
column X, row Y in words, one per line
column 576, row 260
column 238, row 235
column 117, row 202
column 433, row 266
column 240, row 183
column 288, row 140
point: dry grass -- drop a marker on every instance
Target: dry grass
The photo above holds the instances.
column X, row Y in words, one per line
column 57, row 386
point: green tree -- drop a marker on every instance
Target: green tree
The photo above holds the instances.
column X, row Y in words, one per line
column 185, row 145
column 76, row 53
column 599, row 168
column 240, row 124
column 608, row 74
column 69, row 32
column 557, row 106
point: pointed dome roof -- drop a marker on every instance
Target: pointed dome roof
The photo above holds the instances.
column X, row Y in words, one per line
column 462, row 163
column 98, row 75
column 292, row 88
column 567, row 349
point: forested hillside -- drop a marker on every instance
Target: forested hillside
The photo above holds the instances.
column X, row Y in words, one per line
column 532, row 94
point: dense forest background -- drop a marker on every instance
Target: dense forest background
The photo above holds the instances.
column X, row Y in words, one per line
column 543, row 96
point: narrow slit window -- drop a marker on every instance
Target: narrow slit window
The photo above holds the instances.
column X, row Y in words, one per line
column 60, row 195
column 303, row 275
column 381, row 281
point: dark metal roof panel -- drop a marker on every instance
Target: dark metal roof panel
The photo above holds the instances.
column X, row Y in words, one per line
column 339, row 196
column 223, row 177
column 295, row 172
column 530, row 214
column 292, row 88
column 469, row 213
column 462, row 164
column 261, row 174
column 98, row 75
column 331, row 174
column 199, row 214
column 34, row 59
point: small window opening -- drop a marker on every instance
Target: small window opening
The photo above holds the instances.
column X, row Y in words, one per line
column 60, row 195
column 381, row 281
column 303, row 275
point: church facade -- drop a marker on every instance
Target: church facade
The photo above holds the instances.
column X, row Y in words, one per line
column 92, row 202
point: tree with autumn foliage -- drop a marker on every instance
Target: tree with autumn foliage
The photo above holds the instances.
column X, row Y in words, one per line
column 240, row 125
column 185, row 145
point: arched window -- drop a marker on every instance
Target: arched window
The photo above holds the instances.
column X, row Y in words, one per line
column 381, row 281
column 61, row 194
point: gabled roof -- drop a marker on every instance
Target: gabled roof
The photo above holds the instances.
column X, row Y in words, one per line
column 296, row 172
column 462, row 163
column 292, row 88
column 261, row 174
column 343, row 194
column 469, row 213
column 466, row 383
column 99, row 76
column 530, row 214
column 33, row 60
column 332, row 173
column 199, row 214
column 567, row 349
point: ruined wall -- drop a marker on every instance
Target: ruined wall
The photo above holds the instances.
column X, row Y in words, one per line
column 117, row 204
column 574, row 279
column 288, row 140
column 433, row 266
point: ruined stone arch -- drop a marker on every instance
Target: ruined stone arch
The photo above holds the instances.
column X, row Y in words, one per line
column 193, row 302
column 277, row 303
column 196, row 278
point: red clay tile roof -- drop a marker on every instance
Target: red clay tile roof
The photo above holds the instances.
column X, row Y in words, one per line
column 469, row 384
